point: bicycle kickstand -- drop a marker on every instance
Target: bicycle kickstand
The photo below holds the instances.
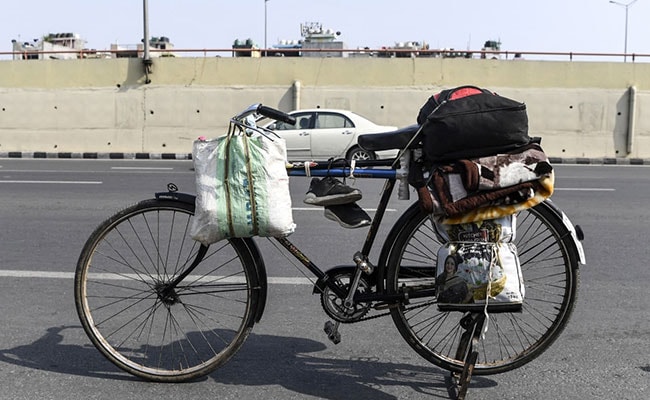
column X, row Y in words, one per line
column 467, row 350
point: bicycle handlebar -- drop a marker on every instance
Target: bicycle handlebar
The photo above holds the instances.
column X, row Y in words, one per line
column 265, row 111
column 275, row 114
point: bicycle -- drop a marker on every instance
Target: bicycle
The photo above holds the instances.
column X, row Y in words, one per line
column 163, row 307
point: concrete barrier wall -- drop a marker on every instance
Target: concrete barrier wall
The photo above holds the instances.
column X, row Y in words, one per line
column 580, row 109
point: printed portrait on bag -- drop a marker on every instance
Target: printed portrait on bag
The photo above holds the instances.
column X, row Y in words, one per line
column 467, row 271
column 479, row 267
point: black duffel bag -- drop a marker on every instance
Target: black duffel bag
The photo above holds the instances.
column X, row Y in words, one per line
column 469, row 122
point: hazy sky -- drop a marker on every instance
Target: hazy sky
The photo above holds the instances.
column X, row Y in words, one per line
column 521, row 25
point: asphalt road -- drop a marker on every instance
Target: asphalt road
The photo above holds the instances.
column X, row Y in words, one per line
column 49, row 207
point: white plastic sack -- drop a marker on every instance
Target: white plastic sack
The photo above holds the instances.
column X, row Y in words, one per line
column 242, row 188
column 479, row 266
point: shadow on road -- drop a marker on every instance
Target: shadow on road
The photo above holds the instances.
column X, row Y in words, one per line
column 48, row 353
column 293, row 363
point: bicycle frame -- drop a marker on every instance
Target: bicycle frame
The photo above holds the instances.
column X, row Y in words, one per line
column 393, row 171
column 365, row 169
column 324, row 169
column 393, row 175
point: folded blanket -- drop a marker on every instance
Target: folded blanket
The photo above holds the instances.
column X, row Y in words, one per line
column 543, row 190
column 491, row 187
column 502, row 170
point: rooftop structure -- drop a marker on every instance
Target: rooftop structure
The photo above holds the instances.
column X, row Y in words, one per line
column 62, row 46
column 314, row 37
column 491, row 49
column 159, row 46
column 245, row 48
column 317, row 38
column 51, row 46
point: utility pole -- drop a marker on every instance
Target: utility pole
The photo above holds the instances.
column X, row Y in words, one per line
column 146, row 58
column 265, row 27
column 627, row 6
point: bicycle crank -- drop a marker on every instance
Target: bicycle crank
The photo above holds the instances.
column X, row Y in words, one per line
column 336, row 306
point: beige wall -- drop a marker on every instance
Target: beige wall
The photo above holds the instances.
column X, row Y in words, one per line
column 580, row 109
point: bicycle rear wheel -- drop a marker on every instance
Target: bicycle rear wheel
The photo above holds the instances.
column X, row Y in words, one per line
column 549, row 265
column 131, row 315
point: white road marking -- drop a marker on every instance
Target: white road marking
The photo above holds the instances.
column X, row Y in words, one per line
column 587, row 189
column 56, row 182
column 145, row 168
column 70, row 275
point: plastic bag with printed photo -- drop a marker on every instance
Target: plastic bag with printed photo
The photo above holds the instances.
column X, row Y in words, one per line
column 482, row 268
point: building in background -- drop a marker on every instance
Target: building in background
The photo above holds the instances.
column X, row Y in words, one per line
column 58, row 46
column 245, row 48
column 315, row 42
column 64, row 46
column 321, row 42
column 158, row 46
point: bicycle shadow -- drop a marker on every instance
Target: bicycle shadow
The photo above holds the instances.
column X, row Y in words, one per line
column 48, row 353
column 297, row 366
column 293, row 363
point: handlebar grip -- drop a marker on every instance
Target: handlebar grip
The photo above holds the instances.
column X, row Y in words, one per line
column 276, row 114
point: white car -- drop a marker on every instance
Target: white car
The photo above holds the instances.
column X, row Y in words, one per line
column 320, row 134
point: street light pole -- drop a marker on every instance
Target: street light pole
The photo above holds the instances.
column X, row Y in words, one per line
column 265, row 25
column 146, row 57
column 627, row 6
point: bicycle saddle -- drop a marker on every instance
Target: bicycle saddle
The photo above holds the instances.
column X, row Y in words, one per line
column 398, row 139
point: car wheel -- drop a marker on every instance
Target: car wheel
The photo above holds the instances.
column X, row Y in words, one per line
column 357, row 153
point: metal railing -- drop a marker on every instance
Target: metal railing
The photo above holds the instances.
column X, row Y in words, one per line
column 325, row 52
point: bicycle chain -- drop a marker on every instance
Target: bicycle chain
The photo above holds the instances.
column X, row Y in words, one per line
column 388, row 313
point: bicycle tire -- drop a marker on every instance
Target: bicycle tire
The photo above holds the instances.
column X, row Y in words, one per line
column 549, row 265
column 185, row 334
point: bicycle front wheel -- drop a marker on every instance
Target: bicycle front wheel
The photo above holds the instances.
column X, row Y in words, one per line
column 141, row 322
column 549, row 265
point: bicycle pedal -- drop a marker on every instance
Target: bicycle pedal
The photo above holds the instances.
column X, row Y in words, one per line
column 332, row 331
